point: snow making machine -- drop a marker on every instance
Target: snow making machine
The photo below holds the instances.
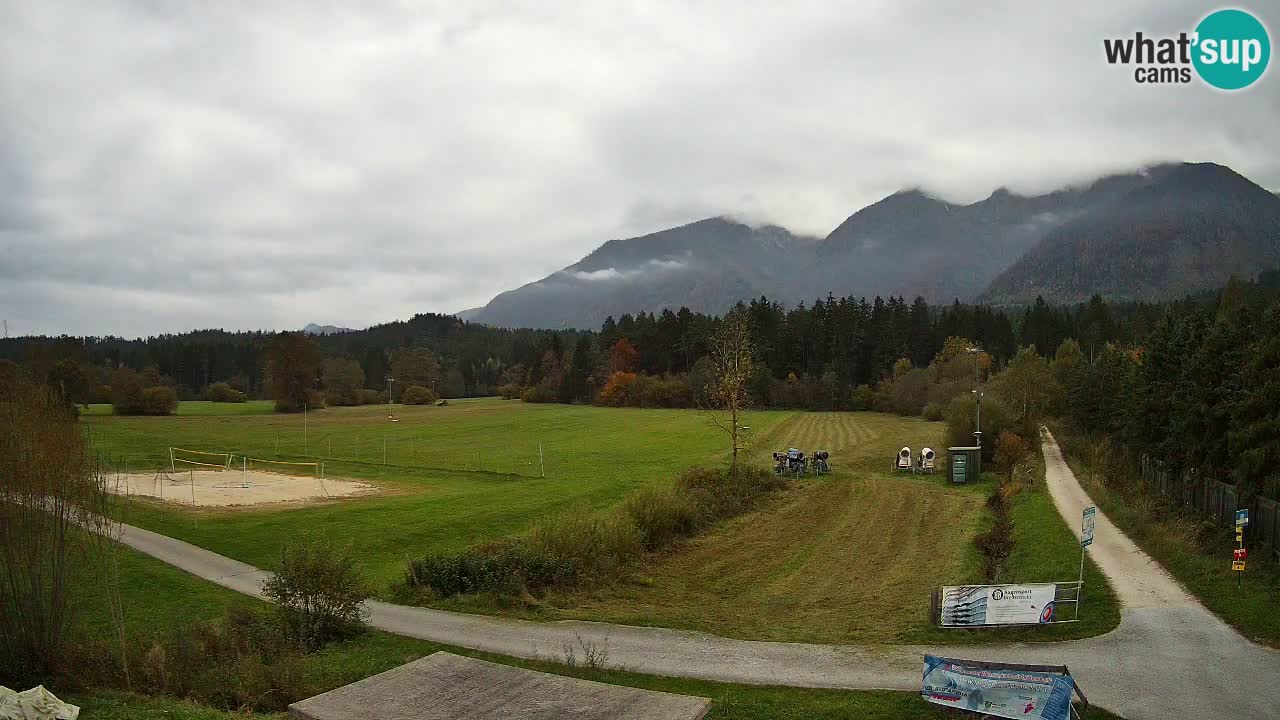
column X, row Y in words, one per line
column 904, row 462
column 821, row 462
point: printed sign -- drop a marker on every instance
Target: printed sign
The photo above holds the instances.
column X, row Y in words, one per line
column 1242, row 518
column 997, row 689
column 1237, row 565
column 975, row 605
column 1086, row 526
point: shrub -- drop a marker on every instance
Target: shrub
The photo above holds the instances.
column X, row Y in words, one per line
column 663, row 516
column 510, row 391
column 863, row 397
column 591, row 545
column 910, row 391
column 159, row 400
column 50, row 488
column 932, row 412
column 726, row 493
column 538, row 394
column 365, row 396
column 221, row 392
column 579, row 548
column 244, row 661
column 618, row 390
column 418, row 395
column 960, row 418
column 126, row 391
column 319, row 592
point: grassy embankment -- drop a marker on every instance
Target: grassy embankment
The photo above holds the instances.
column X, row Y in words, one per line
column 157, row 595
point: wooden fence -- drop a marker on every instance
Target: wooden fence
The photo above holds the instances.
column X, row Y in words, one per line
column 1217, row 500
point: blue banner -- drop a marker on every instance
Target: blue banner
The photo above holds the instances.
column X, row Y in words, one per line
column 1008, row 691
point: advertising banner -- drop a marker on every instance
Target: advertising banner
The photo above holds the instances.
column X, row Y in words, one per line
column 974, row 605
column 997, row 689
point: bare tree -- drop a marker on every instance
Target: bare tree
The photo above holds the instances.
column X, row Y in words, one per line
column 53, row 502
column 726, row 395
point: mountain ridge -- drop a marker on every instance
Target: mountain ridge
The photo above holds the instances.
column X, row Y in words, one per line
column 1004, row 249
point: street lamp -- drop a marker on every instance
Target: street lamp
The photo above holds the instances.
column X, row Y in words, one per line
column 390, row 415
column 977, row 397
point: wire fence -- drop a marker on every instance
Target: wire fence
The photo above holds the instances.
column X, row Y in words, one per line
column 524, row 458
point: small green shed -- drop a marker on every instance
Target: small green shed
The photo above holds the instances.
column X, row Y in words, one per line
column 965, row 464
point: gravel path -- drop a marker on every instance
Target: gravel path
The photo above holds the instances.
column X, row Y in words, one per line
column 1169, row 658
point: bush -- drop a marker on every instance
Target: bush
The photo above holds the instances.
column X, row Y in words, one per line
column 365, row 396
column 318, row 591
column 726, row 493
column 51, row 488
column 418, row 395
column 579, row 548
column 863, row 397
column 510, row 391
column 221, row 392
column 663, row 516
column 561, row 551
column 538, row 394
column 932, row 412
column 995, row 419
column 159, row 400
column 244, row 661
column 618, row 391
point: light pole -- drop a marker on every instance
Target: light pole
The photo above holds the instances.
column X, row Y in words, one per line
column 977, row 397
column 390, row 415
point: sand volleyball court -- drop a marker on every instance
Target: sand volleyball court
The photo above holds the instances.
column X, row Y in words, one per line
column 232, row 488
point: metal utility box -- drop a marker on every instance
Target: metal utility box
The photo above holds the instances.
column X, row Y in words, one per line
column 964, row 464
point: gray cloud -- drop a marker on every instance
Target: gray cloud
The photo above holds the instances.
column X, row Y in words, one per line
column 167, row 166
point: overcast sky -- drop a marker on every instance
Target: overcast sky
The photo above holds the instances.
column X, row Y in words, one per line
column 171, row 165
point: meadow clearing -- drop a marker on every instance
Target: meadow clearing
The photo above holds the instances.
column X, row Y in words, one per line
column 847, row 557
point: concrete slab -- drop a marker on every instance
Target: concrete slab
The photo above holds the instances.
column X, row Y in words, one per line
column 444, row 686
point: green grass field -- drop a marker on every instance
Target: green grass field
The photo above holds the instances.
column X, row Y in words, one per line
column 454, row 475
column 813, row 564
column 156, row 595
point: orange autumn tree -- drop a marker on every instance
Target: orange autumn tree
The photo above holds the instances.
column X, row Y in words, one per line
column 624, row 357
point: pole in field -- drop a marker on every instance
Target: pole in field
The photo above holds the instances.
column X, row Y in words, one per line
column 977, row 397
column 304, row 428
column 541, row 464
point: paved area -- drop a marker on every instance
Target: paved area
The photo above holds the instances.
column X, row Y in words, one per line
column 443, row 686
column 1170, row 657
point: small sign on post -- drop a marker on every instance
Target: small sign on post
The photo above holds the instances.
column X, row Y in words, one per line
column 1238, row 555
column 1086, row 539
